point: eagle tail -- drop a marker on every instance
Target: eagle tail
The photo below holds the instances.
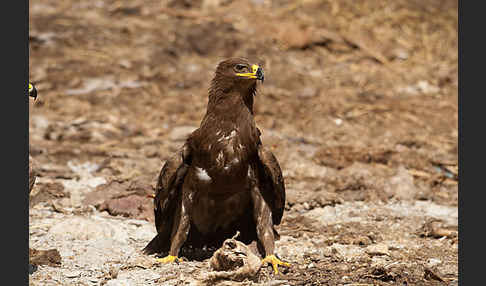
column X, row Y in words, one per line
column 156, row 245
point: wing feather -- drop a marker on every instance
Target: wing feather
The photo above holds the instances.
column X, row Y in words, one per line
column 167, row 197
column 271, row 183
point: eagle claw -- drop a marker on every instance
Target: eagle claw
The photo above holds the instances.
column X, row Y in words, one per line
column 168, row 259
column 275, row 262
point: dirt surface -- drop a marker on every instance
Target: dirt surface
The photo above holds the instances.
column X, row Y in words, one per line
column 359, row 105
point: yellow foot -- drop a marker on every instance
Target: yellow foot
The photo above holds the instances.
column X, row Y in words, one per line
column 275, row 262
column 168, row 259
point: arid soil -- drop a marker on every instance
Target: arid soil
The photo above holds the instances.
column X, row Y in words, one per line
column 359, row 105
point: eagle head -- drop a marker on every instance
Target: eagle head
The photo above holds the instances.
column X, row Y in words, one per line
column 32, row 91
column 237, row 73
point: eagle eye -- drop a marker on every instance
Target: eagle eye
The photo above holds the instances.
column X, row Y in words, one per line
column 240, row 67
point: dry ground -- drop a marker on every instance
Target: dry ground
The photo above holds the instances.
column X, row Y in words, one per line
column 359, row 103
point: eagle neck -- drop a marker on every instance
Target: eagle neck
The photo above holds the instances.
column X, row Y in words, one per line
column 231, row 100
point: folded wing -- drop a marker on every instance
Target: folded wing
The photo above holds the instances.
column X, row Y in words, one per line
column 167, row 197
column 271, row 183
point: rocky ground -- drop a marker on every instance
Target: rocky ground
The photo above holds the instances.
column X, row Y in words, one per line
column 359, row 105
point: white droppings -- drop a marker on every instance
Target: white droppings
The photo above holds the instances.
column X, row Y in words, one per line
column 202, row 174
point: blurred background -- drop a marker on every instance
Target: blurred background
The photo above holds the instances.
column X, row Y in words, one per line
column 359, row 105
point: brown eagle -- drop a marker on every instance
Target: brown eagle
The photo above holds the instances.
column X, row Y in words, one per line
column 32, row 93
column 222, row 180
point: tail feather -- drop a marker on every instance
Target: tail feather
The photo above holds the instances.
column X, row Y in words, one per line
column 156, row 245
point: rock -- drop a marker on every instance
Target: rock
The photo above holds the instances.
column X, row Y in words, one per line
column 377, row 249
column 49, row 257
column 347, row 252
column 130, row 206
column 437, row 228
column 432, row 262
column 129, row 199
column 46, row 192
column 142, row 261
column 104, row 192
column 72, row 274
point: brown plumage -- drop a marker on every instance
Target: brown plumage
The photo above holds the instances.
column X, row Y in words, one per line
column 222, row 180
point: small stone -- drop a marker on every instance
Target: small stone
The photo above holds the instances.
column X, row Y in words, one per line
column 306, row 206
column 72, row 274
column 377, row 249
column 432, row 262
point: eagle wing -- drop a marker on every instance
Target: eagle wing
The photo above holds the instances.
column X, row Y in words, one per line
column 167, row 197
column 271, row 183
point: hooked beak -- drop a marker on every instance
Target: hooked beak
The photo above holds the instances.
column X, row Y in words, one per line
column 32, row 91
column 257, row 73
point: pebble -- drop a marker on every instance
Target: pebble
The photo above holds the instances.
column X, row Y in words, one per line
column 377, row 249
column 433, row 262
column 72, row 274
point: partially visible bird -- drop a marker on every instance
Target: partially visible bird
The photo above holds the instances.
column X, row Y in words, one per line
column 222, row 180
column 32, row 91
column 32, row 173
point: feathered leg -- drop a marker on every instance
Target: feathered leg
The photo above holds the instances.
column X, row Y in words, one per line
column 264, row 227
column 180, row 230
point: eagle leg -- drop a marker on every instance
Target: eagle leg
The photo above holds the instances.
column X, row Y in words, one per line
column 262, row 215
column 179, row 234
column 168, row 259
column 275, row 262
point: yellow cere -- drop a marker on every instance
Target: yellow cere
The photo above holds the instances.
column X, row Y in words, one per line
column 31, row 87
column 254, row 68
column 250, row 74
